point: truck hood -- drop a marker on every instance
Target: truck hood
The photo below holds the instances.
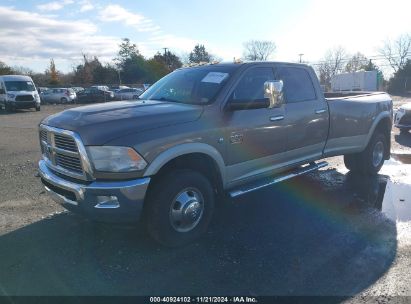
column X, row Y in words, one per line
column 101, row 123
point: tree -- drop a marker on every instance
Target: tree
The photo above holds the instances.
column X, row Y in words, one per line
column 396, row 52
column 258, row 50
column 356, row 63
column 127, row 52
column 52, row 73
column 401, row 81
column 331, row 64
column 169, row 60
column 5, row 69
column 199, row 54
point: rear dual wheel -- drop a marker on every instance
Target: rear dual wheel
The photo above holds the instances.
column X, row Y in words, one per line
column 371, row 159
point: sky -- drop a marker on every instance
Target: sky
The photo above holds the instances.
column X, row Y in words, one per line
column 32, row 32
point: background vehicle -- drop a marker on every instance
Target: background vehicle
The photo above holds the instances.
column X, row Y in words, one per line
column 59, row 95
column 95, row 94
column 18, row 92
column 402, row 119
column 77, row 89
column 130, row 93
column 201, row 131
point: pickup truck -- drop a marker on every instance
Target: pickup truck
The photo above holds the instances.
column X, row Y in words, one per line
column 201, row 132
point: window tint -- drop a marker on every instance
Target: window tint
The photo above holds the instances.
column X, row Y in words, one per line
column 297, row 84
column 251, row 85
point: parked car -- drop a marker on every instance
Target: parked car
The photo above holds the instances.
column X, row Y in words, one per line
column 117, row 88
column 77, row 89
column 59, row 95
column 125, row 94
column 95, row 94
column 18, row 92
column 202, row 131
column 402, row 119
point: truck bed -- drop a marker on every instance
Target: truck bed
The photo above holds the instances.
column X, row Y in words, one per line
column 352, row 115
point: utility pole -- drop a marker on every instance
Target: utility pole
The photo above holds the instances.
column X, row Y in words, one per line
column 165, row 56
column 301, row 56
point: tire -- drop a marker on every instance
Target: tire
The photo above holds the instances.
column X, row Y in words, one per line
column 63, row 100
column 8, row 108
column 371, row 159
column 37, row 108
column 179, row 207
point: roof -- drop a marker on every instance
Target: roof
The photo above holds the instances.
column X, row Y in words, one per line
column 240, row 63
column 15, row 78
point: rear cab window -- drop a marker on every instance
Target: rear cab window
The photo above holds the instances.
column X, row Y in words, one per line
column 298, row 85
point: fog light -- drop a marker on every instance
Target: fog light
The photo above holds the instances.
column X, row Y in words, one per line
column 107, row 202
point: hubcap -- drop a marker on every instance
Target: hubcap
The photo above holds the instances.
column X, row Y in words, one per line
column 378, row 154
column 186, row 210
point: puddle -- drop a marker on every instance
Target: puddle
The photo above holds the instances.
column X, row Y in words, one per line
column 396, row 203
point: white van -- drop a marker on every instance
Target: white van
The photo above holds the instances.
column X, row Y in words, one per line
column 18, row 92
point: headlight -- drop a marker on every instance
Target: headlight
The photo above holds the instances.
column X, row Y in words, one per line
column 116, row 159
column 401, row 110
column 11, row 96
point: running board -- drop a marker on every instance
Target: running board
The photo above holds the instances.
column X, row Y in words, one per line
column 271, row 181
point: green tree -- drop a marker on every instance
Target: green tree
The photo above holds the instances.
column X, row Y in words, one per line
column 5, row 69
column 400, row 83
column 199, row 54
column 170, row 60
column 128, row 52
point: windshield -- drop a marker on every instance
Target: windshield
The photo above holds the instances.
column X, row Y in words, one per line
column 192, row 85
column 19, row 86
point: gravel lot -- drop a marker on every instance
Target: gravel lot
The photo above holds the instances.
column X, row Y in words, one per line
column 327, row 233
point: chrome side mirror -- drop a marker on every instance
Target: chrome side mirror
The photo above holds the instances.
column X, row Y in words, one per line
column 273, row 90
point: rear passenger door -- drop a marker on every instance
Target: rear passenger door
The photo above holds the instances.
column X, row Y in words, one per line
column 306, row 111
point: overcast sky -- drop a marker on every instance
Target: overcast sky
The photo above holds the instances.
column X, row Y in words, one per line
column 32, row 32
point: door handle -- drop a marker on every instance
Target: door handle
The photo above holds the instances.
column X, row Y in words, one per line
column 277, row 118
column 319, row 111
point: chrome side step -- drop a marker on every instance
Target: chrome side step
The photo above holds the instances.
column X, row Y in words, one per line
column 274, row 180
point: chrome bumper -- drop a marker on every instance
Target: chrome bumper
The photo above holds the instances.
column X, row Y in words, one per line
column 117, row 201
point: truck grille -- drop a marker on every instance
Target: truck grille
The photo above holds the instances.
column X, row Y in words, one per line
column 24, row 98
column 61, row 152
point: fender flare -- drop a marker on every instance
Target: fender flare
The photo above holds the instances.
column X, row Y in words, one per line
column 374, row 125
column 184, row 149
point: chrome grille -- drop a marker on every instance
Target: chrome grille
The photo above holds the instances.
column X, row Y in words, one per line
column 63, row 152
column 69, row 163
column 65, row 142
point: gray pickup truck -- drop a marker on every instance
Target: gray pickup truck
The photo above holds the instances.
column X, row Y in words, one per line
column 201, row 132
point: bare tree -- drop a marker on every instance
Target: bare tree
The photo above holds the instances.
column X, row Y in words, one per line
column 396, row 52
column 331, row 64
column 357, row 62
column 258, row 50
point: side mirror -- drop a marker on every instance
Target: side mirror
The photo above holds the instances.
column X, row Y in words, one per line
column 273, row 90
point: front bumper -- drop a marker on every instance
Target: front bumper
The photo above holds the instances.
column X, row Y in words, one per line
column 23, row 104
column 402, row 120
column 116, row 201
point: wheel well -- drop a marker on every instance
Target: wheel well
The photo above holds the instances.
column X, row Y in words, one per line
column 384, row 126
column 199, row 162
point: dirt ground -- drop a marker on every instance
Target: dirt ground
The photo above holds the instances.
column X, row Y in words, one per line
column 294, row 247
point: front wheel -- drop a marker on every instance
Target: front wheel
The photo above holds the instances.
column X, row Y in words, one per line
column 38, row 108
column 371, row 159
column 179, row 207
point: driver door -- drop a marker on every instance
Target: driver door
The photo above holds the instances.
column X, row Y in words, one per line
column 256, row 138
